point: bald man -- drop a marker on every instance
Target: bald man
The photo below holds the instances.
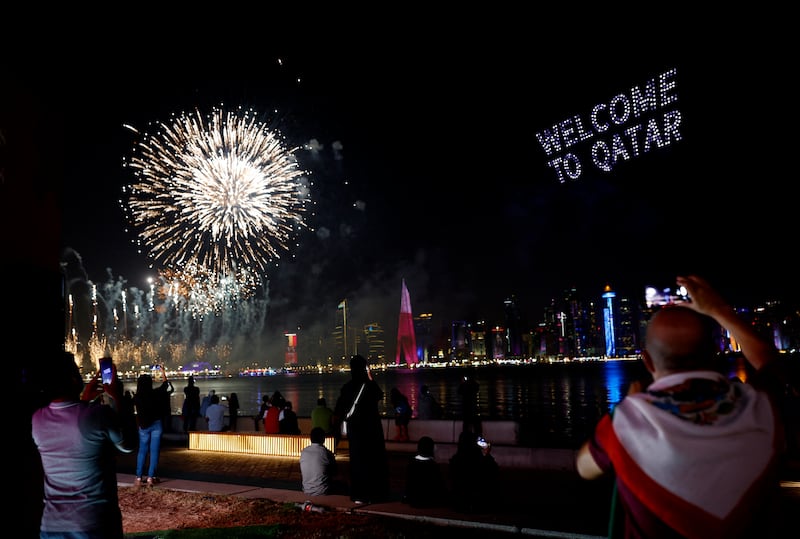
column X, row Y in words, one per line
column 696, row 453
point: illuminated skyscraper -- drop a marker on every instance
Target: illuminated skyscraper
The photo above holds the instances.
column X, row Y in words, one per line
column 423, row 331
column 291, row 348
column 609, row 322
column 376, row 346
column 513, row 337
column 406, row 338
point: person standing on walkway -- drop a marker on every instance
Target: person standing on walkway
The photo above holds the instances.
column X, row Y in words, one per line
column 164, row 393
column 191, row 405
column 468, row 391
column 262, row 411
column 76, row 438
column 428, row 407
column 322, row 417
column 402, row 414
column 233, row 412
column 148, row 402
column 369, row 465
column 696, row 454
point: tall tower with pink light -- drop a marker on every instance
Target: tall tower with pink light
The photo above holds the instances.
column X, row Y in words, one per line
column 406, row 338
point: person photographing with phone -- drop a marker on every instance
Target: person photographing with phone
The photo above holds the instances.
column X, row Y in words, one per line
column 695, row 453
column 77, row 437
column 150, row 412
column 473, row 474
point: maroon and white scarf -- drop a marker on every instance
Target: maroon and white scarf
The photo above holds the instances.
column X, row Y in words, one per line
column 692, row 448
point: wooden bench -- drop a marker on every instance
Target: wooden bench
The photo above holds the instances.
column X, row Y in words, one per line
column 253, row 443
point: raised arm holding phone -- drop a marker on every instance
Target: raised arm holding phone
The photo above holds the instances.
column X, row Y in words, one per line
column 76, row 436
column 696, row 453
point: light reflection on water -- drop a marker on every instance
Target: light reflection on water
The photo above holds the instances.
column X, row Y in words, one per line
column 557, row 405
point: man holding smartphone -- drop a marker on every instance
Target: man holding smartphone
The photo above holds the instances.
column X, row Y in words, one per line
column 73, row 435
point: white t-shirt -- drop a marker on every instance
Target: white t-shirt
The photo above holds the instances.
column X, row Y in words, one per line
column 215, row 414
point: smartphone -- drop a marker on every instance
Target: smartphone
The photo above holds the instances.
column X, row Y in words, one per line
column 106, row 370
column 482, row 442
column 664, row 296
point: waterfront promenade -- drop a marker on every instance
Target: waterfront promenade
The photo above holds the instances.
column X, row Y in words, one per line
column 540, row 501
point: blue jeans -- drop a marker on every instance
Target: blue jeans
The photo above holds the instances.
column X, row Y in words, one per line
column 149, row 442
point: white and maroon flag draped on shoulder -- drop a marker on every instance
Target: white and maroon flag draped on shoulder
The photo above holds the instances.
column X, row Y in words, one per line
column 406, row 338
column 685, row 478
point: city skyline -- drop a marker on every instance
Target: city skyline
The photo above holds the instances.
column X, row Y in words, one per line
column 476, row 174
column 162, row 330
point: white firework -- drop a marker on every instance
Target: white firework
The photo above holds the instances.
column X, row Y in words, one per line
column 221, row 192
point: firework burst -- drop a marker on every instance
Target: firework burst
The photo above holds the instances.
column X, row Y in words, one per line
column 222, row 193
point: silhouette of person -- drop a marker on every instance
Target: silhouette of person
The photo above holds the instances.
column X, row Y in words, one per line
column 164, row 393
column 149, row 417
column 473, row 474
column 402, row 413
column 287, row 422
column 428, row 407
column 468, row 391
column 191, row 405
column 369, row 465
column 233, row 411
column 425, row 485
column 322, row 417
column 262, row 411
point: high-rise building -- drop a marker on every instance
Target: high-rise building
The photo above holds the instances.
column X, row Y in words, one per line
column 609, row 322
column 406, row 338
column 291, row 349
column 375, row 342
column 513, row 325
column 499, row 345
column 477, row 340
column 423, row 329
column 459, row 341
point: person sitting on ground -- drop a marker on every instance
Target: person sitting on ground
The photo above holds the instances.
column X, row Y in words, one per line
column 425, row 486
column 473, row 474
column 318, row 466
column 696, row 454
column 287, row 421
column 215, row 415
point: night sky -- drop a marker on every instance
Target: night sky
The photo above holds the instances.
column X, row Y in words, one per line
column 428, row 168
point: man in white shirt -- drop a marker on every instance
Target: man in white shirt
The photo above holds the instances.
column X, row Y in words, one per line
column 215, row 415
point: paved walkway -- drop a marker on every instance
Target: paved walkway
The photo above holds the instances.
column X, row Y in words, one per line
column 532, row 501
